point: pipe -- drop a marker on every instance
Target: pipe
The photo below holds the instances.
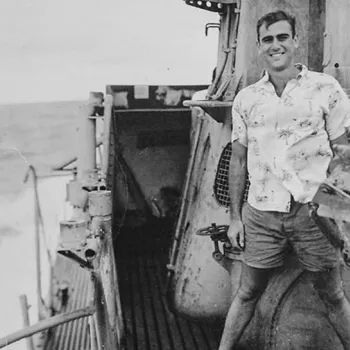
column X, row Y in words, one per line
column 86, row 140
column 71, row 160
column 184, row 204
column 46, row 324
column 212, row 88
column 76, row 258
column 106, row 136
column 224, row 84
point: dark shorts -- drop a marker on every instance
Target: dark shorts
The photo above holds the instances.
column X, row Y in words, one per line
column 268, row 234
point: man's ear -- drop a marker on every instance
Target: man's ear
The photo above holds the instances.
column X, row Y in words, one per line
column 258, row 45
column 296, row 41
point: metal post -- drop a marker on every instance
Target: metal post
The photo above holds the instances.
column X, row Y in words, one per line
column 25, row 315
column 38, row 263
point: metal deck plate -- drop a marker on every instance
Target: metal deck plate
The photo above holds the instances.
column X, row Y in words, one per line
column 148, row 322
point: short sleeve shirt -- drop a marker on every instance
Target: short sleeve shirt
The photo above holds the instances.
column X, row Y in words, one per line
column 288, row 136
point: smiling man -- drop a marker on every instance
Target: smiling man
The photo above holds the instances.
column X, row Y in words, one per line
column 284, row 128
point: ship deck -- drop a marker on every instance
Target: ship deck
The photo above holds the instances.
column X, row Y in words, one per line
column 149, row 324
column 141, row 260
column 77, row 283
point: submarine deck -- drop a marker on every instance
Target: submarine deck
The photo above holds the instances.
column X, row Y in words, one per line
column 141, row 257
column 149, row 324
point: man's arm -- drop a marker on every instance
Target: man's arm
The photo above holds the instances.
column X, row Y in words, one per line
column 336, row 160
column 337, row 120
column 237, row 179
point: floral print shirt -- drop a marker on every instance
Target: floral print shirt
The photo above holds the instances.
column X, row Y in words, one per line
column 288, row 136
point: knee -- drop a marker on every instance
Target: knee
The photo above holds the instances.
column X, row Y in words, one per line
column 331, row 295
column 248, row 293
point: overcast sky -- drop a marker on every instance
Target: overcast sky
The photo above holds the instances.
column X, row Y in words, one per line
column 62, row 49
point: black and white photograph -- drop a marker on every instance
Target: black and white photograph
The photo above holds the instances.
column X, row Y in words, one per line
column 175, row 175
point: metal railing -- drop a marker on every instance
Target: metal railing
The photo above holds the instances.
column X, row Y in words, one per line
column 105, row 317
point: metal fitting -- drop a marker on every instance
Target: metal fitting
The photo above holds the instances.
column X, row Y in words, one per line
column 72, row 234
column 91, row 249
column 100, row 203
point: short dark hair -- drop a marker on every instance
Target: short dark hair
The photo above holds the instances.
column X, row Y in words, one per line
column 273, row 17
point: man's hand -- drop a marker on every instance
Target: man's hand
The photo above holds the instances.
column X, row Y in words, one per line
column 235, row 233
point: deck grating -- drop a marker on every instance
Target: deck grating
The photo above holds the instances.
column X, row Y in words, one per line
column 73, row 335
column 149, row 323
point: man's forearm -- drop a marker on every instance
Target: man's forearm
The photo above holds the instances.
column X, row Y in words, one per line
column 237, row 184
column 338, row 158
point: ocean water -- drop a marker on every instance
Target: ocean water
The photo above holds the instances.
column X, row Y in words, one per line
column 41, row 134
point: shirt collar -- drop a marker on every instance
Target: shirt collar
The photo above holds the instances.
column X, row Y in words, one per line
column 303, row 72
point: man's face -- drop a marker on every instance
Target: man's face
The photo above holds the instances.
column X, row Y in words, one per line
column 277, row 46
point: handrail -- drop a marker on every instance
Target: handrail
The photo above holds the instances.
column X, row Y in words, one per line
column 46, row 324
column 226, row 50
column 39, row 222
column 184, row 207
column 71, row 160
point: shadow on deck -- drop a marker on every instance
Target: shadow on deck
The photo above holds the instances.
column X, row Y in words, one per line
column 141, row 257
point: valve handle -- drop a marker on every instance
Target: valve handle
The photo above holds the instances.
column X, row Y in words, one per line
column 213, row 230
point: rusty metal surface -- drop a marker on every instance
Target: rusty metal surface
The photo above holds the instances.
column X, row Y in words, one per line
column 73, row 335
column 193, row 263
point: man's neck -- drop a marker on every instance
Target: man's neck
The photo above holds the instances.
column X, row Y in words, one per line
column 280, row 79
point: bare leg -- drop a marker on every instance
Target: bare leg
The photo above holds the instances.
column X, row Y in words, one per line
column 329, row 287
column 253, row 283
